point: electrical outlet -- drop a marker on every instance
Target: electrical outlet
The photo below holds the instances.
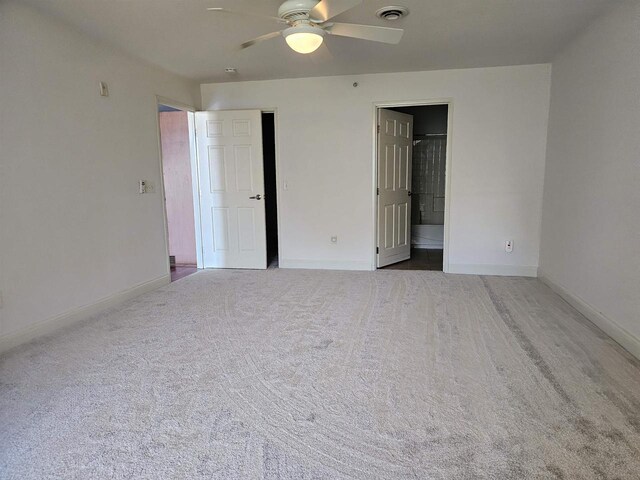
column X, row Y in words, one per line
column 334, row 239
column 508, row 246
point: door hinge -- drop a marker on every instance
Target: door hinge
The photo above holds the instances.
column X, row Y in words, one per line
column 377, row 249
column 378, row 191
column 378, row 128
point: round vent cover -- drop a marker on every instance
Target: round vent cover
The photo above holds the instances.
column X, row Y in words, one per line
column 392, row 12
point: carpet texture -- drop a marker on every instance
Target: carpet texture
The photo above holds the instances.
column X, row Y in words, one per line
column 291, row 374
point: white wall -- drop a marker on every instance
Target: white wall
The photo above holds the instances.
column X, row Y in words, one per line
column 590, row 245
column 73, row 230
column 325, row 154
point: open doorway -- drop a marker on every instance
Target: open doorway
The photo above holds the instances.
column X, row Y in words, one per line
column 426, row 187
column 175, row 145
column 270, row 187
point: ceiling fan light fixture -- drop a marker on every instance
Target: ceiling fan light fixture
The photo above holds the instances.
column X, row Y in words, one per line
column 304, row 38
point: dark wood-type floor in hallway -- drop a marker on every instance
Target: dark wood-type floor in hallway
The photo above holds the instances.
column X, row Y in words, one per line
column 178, row 272
column 421, row 259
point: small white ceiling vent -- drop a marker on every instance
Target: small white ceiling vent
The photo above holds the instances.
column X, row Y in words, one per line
column 392, row 12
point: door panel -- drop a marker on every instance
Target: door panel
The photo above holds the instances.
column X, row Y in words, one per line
column 220, row 229
column 389, row 226
column 231, row 171
column 217, row 170
column 244, row 168
column 402, row 224
column 404, row 168
column 246, row 228
column 390, row 167
column 395, row 135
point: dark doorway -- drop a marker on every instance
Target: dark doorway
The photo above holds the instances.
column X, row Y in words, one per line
column 270, row 187
column 430, row 124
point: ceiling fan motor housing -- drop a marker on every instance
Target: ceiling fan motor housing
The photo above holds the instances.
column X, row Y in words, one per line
column 293, row 10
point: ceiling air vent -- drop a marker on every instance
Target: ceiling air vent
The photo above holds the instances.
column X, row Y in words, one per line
column 392, row 12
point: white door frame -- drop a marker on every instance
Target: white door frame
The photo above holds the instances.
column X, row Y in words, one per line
column 195, row 176
column 447, row 184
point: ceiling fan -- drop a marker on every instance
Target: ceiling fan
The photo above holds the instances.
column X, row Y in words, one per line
column 308, row 23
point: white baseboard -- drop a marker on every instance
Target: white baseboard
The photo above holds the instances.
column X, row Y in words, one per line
column 626, row 339
column 325, row 264
column 501, row 270
column 74, row 315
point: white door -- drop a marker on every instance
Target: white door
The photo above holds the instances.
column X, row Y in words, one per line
column 395, row 139
column 231, row 176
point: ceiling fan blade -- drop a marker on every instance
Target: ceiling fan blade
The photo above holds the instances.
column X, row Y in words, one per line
column 366, row 32
column 233, row 12
column 259, row 39
column 327, row 9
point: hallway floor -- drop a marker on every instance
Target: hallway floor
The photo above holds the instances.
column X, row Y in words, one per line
column 421, row 259
column 178, row 272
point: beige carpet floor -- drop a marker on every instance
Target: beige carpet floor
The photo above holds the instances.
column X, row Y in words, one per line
column 290, row 374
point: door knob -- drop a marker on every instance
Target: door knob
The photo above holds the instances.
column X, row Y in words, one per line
column 257, row 197
column 409, row 192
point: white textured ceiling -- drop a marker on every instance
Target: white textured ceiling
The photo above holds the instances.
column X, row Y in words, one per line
column 182, row 37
